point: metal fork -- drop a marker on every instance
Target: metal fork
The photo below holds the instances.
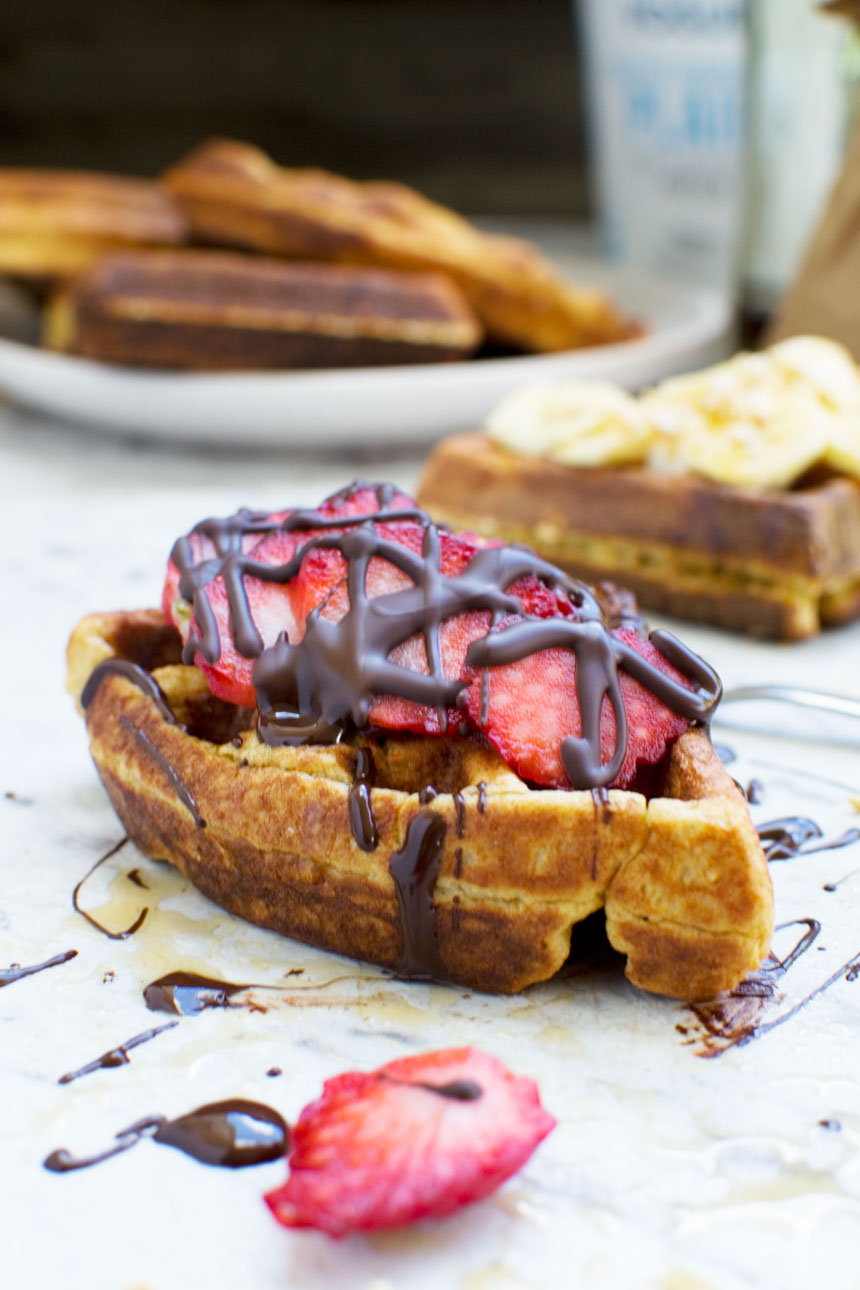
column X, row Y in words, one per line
column 796, row 695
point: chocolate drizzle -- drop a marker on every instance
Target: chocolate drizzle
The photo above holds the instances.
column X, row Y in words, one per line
column 361, row 819
column 233, row 1134
column 91, row 919
column 185, row 993
column 786, row 838
column 415, row 869
column 9, row 975
column 456, row 1090
column 131, row 672
column 738, row 1016
column 180, row 788
column 317, row 688
column 116, row 1056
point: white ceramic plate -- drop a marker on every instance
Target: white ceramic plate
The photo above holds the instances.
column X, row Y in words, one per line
column 686, row 328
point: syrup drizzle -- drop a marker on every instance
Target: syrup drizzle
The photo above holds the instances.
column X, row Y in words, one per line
column 232, row 1134
column 9, row 975
column 116, row 1056
column 314, row 690
column 91, row 919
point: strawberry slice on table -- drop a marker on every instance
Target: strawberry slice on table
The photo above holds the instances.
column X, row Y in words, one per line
column 415, row 1139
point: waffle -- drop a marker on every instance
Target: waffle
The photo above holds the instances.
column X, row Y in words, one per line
column 219, row 310
column 234, row 194
column 776, row 563
column 55, row 223
column 501, row 873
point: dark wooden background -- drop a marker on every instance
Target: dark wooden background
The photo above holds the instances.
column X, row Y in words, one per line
column 477, row 102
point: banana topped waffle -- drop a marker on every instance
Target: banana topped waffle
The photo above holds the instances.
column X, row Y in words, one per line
column 730, row 496
column 233, row 194
column 424, row 750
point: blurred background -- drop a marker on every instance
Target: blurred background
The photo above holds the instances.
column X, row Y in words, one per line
column 480, row 104
column 701, row 135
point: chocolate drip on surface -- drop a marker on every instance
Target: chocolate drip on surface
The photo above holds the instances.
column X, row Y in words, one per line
column 427, row 794
column 233, row 1134
column 786, row 838
column 132, row 672
column 180, row 788
column 133, row 875
column 9, row 975
column 91, row 919
column 738, row 1016
column 116, row 1056
column 482, row 797
column 313, row 690
column 415, row 870
column 782, row 839
column 63, row 1162
column 361, row 820
column 186, row 993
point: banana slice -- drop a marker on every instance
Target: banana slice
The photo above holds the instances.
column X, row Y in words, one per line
column 760, row 420
column 580, row 423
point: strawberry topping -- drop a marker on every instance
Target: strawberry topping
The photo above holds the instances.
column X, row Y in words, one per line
column 417, row 1138
column 365, row 613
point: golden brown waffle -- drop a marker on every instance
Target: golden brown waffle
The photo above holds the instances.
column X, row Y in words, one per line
column 234, row 194
column 218, row 311
column 55, row 223
column 266, row 832
column 779, row 563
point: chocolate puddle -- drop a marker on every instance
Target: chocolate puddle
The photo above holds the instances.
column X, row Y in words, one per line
column 233, row 1134
column 13, row 973
column 91, row 919
column 116, row 1056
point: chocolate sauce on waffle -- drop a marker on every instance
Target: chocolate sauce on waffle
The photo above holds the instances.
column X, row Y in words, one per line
column 232, row 1134
column 323, row 685
column 361, row 819
column 130, row 672
column 116, row 1056
column 9, row 975
column 180, row 788
column 414, row 870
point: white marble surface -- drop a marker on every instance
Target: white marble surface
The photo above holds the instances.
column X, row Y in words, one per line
column 666, row 1170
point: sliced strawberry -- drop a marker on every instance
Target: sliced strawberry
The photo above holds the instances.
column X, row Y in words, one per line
column 528, row 709
column 417, row 1138
column 531, row 707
